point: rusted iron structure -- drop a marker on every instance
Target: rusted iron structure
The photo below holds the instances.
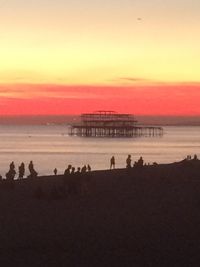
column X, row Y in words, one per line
column 111, row 124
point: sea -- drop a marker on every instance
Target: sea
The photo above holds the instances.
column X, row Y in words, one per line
column 50, row 146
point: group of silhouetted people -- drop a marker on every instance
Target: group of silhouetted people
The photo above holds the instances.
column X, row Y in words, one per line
column 189, row 157
column 139, row 163
column 71, row 170
column 10, row 175
column 76, row 180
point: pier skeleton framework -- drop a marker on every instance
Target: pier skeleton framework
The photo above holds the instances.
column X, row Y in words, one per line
column 111, row 124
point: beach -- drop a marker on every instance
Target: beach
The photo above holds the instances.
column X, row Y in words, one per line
column 145, row 216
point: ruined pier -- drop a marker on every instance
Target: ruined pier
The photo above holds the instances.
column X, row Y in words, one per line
column 112, row 124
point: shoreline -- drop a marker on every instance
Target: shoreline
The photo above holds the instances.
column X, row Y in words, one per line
column 183, row 163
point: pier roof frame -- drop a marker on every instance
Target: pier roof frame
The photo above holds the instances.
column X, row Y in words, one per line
column 111, row 116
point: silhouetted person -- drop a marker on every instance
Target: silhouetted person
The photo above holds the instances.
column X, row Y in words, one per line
column 10, row 175
column 189, row 157
column 33, row 173
column 21, row 170
column 12, row 165
column 84, row 169
column 195, row 157
column 88, row 168
column 128, row 162
column 67, row 171
column 140, row 162
column 78, row 170
column 30, row 166
column 73, row 170
column 112, row 162
column 55, row 171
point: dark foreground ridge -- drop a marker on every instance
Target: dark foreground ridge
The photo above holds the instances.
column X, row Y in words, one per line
column 147, row 216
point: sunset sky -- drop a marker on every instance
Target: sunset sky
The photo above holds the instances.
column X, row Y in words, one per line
column 68, row 57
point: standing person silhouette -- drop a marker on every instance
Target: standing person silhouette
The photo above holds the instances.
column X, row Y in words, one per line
column 30, row 166
column 55, row 171
column 112, row 163
column 21, row 170
column 12, row 165
column 128, row 162
column 89, row 167
column 10, row 175
column 32, row 171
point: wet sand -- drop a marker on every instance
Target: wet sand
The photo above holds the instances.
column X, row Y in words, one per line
column 146, row 216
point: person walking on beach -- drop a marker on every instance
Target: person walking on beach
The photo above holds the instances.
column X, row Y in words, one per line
column 128, row 162
column 112, row 163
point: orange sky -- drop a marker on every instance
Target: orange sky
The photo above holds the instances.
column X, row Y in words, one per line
column 64, row 57
column 174, row 99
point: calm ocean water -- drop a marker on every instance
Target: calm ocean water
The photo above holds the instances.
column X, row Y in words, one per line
column 50, row 147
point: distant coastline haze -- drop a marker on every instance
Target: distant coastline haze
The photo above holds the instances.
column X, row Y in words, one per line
column 68, row 119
